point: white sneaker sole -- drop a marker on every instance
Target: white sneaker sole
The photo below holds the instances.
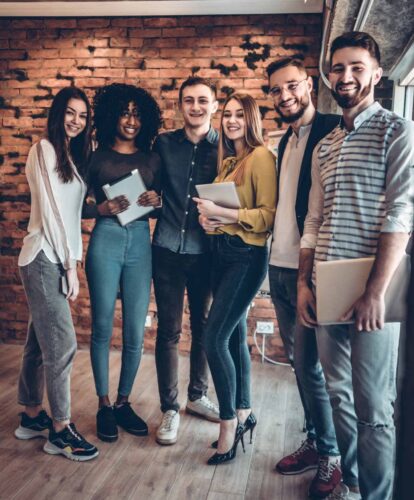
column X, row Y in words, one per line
column 25, row 433
column 55, row 450
column 166, row 441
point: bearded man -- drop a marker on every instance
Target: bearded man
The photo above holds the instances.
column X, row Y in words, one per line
column 291, row 87
column 360, row 206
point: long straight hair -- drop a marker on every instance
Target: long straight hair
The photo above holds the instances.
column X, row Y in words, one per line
column 252, row 136
column 77, row 149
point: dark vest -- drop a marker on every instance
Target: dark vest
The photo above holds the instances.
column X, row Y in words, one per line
column 321, row 126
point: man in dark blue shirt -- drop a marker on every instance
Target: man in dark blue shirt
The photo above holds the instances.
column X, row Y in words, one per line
column 181, row 259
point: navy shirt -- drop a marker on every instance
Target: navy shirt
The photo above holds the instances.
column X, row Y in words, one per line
column 183, row 165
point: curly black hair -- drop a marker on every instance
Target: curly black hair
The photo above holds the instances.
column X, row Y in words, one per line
column 112, row 100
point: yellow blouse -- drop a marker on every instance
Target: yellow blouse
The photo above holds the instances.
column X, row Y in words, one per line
column 257, row 195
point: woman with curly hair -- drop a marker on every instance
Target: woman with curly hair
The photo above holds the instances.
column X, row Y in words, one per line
column 127, row 120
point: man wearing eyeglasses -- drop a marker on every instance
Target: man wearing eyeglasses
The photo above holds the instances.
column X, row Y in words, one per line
column 290, row 88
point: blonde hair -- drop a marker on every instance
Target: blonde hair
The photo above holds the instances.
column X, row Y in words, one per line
column 252, row 136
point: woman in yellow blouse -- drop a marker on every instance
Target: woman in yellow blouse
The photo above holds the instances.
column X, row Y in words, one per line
column 239, row 263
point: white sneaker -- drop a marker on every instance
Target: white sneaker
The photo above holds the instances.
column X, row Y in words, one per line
column 203, row 408
column 168, row 429
column 342, row 492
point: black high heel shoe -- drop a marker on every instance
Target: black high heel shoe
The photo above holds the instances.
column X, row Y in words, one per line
column 221, row 458
column 249, row 425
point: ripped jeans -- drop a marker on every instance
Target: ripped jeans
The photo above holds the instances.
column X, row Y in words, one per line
column 360, row 372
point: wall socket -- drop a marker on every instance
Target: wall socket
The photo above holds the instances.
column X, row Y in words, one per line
column 148, row 321
column 265, row 327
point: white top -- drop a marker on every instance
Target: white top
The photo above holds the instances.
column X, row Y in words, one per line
column 55, row 211
column 286, row 238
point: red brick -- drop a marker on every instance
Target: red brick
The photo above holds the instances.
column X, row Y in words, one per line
column 178, row 32
column 161, row 63
column 195, row 20
column 53, row 82
column 13, row 54
column 44, row 54
column 60, row 23
column 96, row 22
column 213, row 52
column 159, row 42
column 93, row 63
column 128, row 22
column 119, row 42
column 14, row 34
column 43, row 34
column 89, row 82
column 160, row 22
column 27, row 23
column 20, row 85
column 172, row 53
column 234, row 30
column 63, row 43
column 92, row 42
column 108, row 53
column 107, row 33
column 77, row 53
column 58, row 63
column 109, row 73
column 146, row 73
column 195, row 42
column 124, row 62
column 144, row 33
column 285, row 30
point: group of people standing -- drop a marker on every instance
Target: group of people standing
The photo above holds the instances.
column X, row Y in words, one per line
column 341, row 189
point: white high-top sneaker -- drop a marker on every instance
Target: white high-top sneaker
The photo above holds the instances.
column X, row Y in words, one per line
column 168, row 428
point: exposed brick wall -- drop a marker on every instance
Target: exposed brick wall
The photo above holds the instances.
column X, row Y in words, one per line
column 39, row 56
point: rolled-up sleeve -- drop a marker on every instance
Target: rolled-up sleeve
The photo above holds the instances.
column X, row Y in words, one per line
column 399, row 189
column 260, row 219
column 314, row 217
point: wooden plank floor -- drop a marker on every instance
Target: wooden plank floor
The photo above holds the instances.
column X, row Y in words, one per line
column 138, row 468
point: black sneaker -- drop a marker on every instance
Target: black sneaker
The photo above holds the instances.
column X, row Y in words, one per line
column 129, row 420
column 70, row 444
column 106, row 428
column 33, row 427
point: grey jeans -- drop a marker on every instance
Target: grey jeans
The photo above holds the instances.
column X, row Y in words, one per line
column 360, row 371
column 51, row 339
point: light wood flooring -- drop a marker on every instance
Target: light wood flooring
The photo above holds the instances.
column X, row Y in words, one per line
column 138, row 468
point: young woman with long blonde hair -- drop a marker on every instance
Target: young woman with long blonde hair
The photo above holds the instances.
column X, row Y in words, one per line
column 239, row 263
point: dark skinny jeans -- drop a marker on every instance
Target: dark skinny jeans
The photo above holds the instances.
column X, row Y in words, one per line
column 173, row 274
column 238, row 271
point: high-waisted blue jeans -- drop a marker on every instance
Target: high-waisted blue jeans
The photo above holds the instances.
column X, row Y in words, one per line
column 238, row 271
column 118, row 258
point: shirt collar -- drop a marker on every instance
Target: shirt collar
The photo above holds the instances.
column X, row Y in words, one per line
column 211, row 136
column 364, row 115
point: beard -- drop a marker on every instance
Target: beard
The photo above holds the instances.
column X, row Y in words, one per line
column 291, row 118
column 350, row 101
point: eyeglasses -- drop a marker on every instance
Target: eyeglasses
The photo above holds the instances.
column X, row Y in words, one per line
column 290, row 87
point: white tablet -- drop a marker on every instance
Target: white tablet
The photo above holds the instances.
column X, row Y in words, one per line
column 131, row 186
column 223, row 194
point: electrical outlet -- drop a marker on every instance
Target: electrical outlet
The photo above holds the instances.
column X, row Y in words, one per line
column 265, row 327
column 148, row 321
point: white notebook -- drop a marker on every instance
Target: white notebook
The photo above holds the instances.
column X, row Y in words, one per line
column 339, row 283
column 131, row 186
